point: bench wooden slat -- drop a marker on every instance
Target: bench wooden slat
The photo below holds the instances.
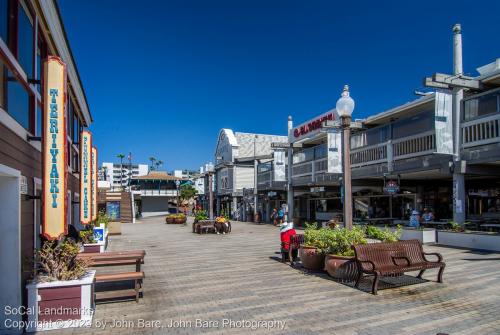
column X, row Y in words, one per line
column 110, row 277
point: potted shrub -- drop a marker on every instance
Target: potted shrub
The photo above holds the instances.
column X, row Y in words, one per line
column 170, row 218
column 90, row 244
column 383, row 235
column 180, row 218
column 200, row 216
column 61, row 294
column 339, row 261
column 312, row 252
column 458, row 236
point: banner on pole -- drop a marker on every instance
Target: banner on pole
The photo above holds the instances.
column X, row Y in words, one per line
column 279, row 165
column 85, row 177
column 94, row 183
column 334, row 143
column 54, row 198
column 444, row 123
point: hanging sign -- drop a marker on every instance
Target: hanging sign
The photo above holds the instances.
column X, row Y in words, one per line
column 334, row 141
column 391, row 187
column 443, row 123
column 279, row 165
column 85, row 177
column 94, row 184
column 54, row 198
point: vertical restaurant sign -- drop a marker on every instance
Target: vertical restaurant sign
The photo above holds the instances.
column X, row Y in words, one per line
column 54, row 199
column 94, row 184
column 85, row 177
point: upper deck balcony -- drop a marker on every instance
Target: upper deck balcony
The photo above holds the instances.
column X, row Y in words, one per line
column 266, row 179
column 481, row 127
column 310, row 166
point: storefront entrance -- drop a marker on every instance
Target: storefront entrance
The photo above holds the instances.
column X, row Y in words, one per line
column 397, row 206
column 10, row 244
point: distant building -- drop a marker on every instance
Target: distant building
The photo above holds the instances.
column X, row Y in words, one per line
column 155, row 193
column 111, row 173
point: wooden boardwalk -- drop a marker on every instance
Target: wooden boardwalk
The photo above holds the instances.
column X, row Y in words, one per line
column 192, row 280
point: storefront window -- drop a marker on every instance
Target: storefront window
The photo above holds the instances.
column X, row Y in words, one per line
column 17, row 101
column 25, row 42
column 4, row 19
column 39, row 120
column 2, row 85
column 484, row 105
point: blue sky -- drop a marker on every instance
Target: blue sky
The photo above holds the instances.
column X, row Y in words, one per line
column 163, row 77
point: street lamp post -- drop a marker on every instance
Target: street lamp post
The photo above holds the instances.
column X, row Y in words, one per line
column 177, row 184
column 345, row 107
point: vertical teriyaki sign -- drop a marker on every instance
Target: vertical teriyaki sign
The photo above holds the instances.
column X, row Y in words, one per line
column 85, row 177
column 54, row 198
column 94, row 184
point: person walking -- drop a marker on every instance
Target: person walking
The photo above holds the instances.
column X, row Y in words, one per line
column 274, row 216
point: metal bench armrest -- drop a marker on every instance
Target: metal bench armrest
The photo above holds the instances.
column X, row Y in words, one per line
column 402, row 257
column 369, row 262
column 438, row 255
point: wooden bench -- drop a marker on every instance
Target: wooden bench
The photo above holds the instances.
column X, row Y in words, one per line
column 111, row 258
column 137, row 277
column 295, row 242
column 395, row 258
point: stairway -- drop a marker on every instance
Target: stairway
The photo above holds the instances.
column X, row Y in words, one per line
column 126, row 207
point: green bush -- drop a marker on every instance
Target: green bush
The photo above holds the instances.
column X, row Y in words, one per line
column 56, row 260
column 102, row 218
column 87, row 235
column 333, row 241
column 385, row 235
column 201, row 215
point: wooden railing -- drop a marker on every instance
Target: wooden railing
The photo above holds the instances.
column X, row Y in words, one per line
column 372, row 154
column 481, row 131
column 416, row 145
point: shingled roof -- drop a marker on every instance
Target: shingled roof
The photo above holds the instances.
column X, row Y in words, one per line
column 157, row 175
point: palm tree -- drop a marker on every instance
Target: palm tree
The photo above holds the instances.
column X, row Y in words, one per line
column 153, row 160
column 121, row 156
column 159, row 164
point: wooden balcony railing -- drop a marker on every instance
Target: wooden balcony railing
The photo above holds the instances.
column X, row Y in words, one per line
column 481, row 131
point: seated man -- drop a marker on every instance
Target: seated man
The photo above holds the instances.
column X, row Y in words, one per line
column 286, row 231
column 415, row 219
column 428, row 216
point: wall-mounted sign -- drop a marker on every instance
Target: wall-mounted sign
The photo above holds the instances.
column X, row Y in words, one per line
column 85, row 177
column 94, row 184
column 391, row 187
column 310, row 127
column 317, row 189
column 23, row 187
column 54, row 199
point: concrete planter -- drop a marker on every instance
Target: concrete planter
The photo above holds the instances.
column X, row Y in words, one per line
column 427, row 235
column 476, row 240
column 60, row 304
column 115, row 228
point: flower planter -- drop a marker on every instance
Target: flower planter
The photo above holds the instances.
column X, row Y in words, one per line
column 94, row 247
column 169, row 220
column 427, row 235
column 311, row 259
column 60, row 304
column 341, row 267
column 180, row 221
column 472, row 240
